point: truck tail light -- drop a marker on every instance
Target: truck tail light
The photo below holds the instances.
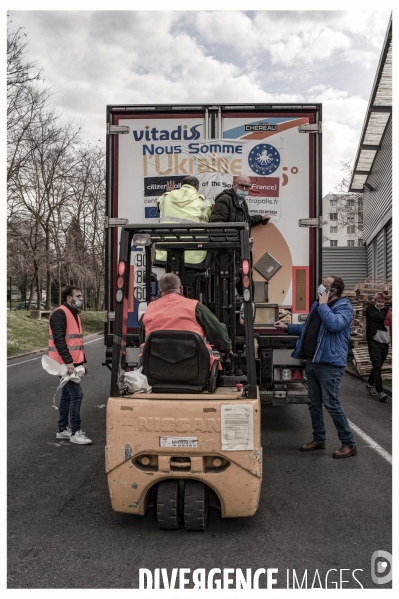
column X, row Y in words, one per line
column 121, row 268
column 286, row 374
column 297, row 376
column 245, row 280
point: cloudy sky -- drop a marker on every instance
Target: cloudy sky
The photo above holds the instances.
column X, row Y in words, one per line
column 95, row 58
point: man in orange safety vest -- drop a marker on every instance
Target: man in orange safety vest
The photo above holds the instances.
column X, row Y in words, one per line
column 173, row 311
column 65, row 346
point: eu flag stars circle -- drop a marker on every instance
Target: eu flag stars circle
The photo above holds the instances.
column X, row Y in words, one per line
column 264, row 159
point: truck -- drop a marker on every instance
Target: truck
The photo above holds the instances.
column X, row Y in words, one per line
column 280, row 148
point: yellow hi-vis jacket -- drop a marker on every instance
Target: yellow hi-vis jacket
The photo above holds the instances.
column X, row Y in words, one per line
column 184, row 205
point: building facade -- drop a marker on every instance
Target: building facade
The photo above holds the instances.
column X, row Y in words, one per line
column 342, row 220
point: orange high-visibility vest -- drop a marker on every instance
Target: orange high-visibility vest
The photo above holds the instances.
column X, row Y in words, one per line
column 174, row 312
column 73, row 339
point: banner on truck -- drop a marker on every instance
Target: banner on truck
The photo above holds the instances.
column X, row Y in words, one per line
column 216, row 164
column 268, row 150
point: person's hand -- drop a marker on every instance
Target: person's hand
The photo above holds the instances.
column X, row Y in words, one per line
column 281, row 325
column 323, row 297
column 170, row 186
column 70, row 368
column 266, row 217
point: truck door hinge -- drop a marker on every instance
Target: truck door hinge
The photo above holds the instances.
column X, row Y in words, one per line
column 109, row 316
column 115, row 222
column 311, row 222
column 116, row 129
column 313, row 128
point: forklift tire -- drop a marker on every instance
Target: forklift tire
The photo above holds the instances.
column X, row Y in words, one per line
column 195, row 505
column 168, row 513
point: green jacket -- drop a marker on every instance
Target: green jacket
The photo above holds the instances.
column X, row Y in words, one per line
column 184, row 205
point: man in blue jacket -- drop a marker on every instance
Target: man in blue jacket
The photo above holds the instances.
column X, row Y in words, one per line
column 323, row 341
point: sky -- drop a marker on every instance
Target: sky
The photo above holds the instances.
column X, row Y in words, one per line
column 94, row 58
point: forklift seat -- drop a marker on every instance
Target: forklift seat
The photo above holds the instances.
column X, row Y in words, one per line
column 178, row 362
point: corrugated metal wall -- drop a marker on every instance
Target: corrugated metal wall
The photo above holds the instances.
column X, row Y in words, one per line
column 389, row 249
column 370, row 258
column 377, row 203
column 379, row 254
column 380, row 264
column 349, row 263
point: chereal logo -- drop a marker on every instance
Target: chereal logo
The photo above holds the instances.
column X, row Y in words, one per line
column 154, row 134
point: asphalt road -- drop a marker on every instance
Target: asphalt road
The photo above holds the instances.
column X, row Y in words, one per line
column 316, row 513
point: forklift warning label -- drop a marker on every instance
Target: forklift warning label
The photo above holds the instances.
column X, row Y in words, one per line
column 178, row 441
column 237, row 427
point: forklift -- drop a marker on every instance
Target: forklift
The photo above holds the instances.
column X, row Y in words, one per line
column 195, row 440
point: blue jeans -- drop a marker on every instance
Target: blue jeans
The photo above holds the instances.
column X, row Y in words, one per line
column 324, row 381
column 70, row 400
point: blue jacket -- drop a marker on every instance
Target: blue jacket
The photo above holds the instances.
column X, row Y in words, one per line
column 334, row 333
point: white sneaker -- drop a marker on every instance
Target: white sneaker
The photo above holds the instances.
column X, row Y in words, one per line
column 80, row 438
column 66, row 434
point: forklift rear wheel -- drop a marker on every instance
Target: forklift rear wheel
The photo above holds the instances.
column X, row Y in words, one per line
column 168, row 513
column 195, row 505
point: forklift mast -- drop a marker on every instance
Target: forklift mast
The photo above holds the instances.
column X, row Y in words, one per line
column 216, row 288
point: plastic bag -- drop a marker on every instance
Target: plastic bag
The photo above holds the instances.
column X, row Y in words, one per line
column 136, row 382
column 53, row 367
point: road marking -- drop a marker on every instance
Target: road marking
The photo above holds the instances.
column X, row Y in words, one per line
column 94, row 340
column 373, row 444
column 24, row 362
column 39, row 358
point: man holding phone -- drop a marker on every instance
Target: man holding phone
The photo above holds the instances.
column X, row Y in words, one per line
column 323, row 341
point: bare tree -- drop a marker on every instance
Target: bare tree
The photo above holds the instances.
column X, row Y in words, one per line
column 26, row 100
column 56, row 187
column 87, row 221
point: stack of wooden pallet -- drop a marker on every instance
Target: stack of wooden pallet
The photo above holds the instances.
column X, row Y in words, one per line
column 361, row 360
column 361, row 297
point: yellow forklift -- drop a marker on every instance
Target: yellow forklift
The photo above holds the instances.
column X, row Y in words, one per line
column 195, row 440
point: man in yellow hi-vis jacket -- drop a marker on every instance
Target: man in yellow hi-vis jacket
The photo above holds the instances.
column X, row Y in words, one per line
column 179, row 206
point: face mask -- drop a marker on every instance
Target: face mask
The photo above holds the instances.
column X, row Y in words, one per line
column 78, row 304
column 242, row 193
column 322, row 289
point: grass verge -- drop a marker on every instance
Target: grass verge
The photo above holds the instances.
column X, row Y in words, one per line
column 25, row 334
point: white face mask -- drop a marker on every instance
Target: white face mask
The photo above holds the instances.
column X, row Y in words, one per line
column 322, row 289
column 242, row 193
column 78, row 304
